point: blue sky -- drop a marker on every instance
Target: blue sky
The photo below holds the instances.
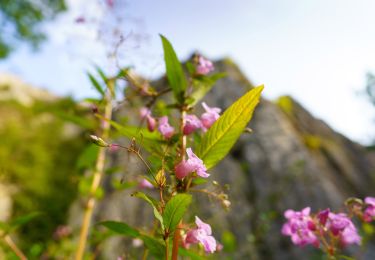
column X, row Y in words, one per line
column 317, row 51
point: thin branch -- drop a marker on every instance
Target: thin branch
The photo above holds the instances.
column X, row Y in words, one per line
column 14, row 247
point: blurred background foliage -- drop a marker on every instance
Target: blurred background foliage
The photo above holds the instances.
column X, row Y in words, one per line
column 20, row 21
column 46, row 180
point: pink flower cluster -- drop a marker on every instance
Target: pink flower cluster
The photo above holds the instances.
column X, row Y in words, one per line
column 207, row 119
column 164, row 127
column 305, row 228
column 193, row 164
column 369, row 213
column 203, row 235
column 300, row 227
column 192, row 122
column 204, row 66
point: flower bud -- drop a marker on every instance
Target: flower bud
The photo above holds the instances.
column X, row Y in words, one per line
column 99, row 141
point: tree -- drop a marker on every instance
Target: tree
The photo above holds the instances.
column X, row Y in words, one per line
column 20, row 21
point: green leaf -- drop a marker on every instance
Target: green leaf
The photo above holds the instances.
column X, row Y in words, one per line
column 96, row 84
column 151, row 141
column 153, row 203
column 87, row 158
column 202, row 85
column 155, row 246
column 192, row 255
column 120, row 228
column 101, row 73
column 20, row 221
column 223, row 134
column 175, row 73
column 175, row 210
column 78, row 120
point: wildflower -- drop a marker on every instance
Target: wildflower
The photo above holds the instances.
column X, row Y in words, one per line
column 369, row 213
column 210, row 116
column 341, row 226
column 300, row 227
column 192, row 123
column 204, row 66
column 164, row 128
column 193, row 164
column 151, row 122
column 202, row 234
column 145, row 184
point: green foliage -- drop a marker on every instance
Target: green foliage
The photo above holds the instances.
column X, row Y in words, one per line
column 21, row 20
column 202, row 85
column 96, row 84
column 120, row 228
column 155, row 246
column 229, row 241
column 153, row 203
column 17, row 222
column 313, row 142
column 175, row 73
column 286, row 104
column 223, row 134
column 191, row 255
column 175, row 210
column 37, row 155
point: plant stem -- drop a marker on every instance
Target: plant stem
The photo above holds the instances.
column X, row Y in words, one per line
column 98, row 174
column 177, row 234
column 14, row 247
column 167, row 248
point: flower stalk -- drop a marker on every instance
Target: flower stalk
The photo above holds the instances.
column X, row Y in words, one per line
column 98, row 174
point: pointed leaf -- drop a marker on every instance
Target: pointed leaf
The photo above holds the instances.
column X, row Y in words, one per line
column 153, row 203
column 155, row 246
column 223, row 134
column 175, row 73
column 120, row 228
column 175, row 210
column 202, row 85
column 190, row 254
column 20, row 221
column 95, row 84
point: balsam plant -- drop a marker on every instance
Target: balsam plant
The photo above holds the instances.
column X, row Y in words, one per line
column 181, row 146
column 329, row 231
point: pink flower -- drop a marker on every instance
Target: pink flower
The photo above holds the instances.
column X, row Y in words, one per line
column 202, row 234
column 300, row 227
column 369, row 213
column 151, row 122
column 204, row 66
column 164, row 128
column 145, row 184
column 341, row 226
column 323, row 216
column 210, row 116
column 193, row 164
column 192, row 123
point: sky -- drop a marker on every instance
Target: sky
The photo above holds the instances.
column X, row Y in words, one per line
column 317, row 51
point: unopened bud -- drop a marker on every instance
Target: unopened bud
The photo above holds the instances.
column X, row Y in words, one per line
column 226, row 204
column 353, row 201
column 160, row 178
column 99, row 141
